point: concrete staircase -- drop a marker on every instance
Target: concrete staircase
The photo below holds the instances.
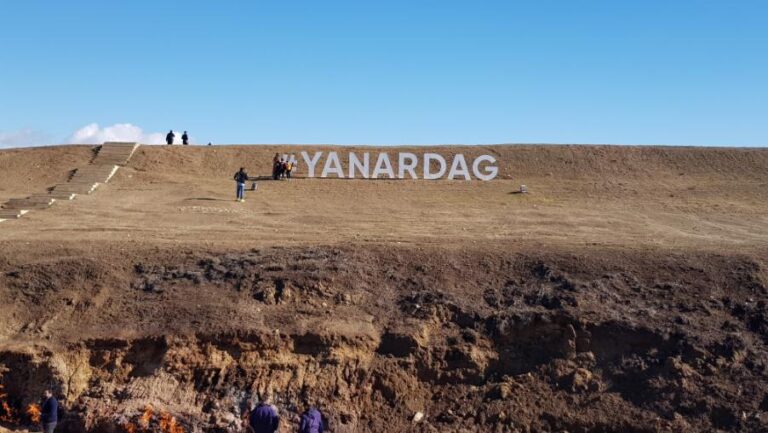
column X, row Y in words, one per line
column 109, row 158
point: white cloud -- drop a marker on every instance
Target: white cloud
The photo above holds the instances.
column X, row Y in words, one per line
column 23, row 138
column 93, row 134
column 88, row 134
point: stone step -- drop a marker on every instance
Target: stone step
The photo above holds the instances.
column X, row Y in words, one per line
column 118, row 147
column 35, row 198
column 75, row 184
column 131, row 144
column 29, row 203
column 87, row 179
column 78, row 182
column 113, row 156
column 114, row 161
column 77, row 187
column 121, row 153
column 62, row 195
column 96, row 174
column 113, row 151
column 12, row 213
column 109, row 158
column 95, row 168
column 116, row 152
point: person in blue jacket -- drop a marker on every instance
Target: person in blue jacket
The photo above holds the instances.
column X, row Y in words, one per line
column 264, row 418
column 311, row 421
column 49, row 415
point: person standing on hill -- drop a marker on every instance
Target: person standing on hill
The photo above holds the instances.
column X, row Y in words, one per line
column 49, row 414
column 169, row 137
column 184, row 138
column 275, row 166
column 264, row 418
column 241, row 177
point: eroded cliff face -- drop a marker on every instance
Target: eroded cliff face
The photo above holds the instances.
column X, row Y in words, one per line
column 390, row 339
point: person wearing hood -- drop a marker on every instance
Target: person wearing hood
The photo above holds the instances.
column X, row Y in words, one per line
column 311, row 421
column 264, row 417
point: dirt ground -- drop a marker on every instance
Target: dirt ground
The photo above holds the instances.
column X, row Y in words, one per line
column 625, row 293
column 655, row 197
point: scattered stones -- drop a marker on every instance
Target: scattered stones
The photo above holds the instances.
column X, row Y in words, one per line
column 580, row 380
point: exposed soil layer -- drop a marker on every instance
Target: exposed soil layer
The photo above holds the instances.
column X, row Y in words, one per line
column 485, row 339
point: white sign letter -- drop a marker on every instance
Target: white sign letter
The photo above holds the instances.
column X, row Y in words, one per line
column 290, row 158
column 410, row 167
column 428, row 157
column 459, row 168
column 332, row 160
column 311, row 162
column 490, row 172
column 383, row 166
column 363, row 168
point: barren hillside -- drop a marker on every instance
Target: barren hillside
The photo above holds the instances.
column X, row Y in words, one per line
column 626, row 292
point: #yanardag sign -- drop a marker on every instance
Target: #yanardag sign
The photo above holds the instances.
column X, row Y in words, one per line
column 405, row 165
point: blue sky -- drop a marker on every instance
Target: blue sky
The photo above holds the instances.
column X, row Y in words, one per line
column 394, row 72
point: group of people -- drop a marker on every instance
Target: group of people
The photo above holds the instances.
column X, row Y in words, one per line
column 262, row 419
column 281, row 168
column 184, row 138
column 265, row 419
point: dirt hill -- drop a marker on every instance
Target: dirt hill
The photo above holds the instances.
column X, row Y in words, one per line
column 580, row 195
column 626, row 292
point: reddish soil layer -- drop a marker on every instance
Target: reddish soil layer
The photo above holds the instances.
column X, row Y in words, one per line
column 480, row 341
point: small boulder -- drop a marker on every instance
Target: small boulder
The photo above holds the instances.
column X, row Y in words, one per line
column 418, row 416
column 580, row 380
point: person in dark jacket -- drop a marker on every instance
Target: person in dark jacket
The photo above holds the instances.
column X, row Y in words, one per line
column 241, row 177
column 264, row 418
column 49, row 415
column 185, row 138
column 311, row 421
column 276, row 162
column 169, row 137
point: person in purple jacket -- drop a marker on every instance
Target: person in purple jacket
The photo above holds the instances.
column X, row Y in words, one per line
column 264, row 417
column 311, row 421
